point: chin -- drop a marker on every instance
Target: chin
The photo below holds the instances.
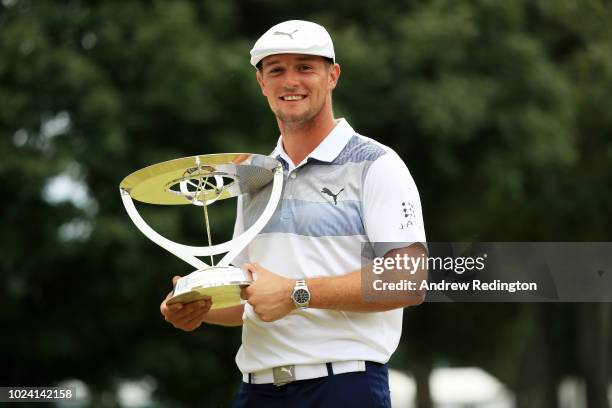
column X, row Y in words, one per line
column 294, row 119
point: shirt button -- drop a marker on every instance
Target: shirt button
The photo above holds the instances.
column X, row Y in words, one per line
column 293, row 175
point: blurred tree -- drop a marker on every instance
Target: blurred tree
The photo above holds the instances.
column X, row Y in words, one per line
column 92, row 92
column 484, row 94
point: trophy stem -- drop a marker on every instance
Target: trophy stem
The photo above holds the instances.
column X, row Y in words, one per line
column 206, row 222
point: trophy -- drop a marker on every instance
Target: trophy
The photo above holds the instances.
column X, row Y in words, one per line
column 201, row 181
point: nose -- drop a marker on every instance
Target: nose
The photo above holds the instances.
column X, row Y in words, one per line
column 291, row 80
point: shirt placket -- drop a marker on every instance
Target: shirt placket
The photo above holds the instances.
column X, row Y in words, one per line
column 290, row 177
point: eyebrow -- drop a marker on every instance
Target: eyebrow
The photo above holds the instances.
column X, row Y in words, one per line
column 301, row 58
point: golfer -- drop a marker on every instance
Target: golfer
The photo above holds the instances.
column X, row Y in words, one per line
column 309, row 338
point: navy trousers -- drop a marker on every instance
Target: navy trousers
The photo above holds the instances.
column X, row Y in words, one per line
column 362, row 389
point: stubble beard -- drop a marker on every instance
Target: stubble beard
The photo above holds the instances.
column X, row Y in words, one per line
column 299, row 120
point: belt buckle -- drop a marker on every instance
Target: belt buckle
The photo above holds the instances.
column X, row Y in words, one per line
column 283, row 375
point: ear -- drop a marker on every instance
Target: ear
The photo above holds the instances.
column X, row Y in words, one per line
column 261, row 82
column 334, row 76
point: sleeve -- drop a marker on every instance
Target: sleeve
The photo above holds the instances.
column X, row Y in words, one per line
column 391, row 206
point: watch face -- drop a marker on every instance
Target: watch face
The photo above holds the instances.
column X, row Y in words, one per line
column 301, row 296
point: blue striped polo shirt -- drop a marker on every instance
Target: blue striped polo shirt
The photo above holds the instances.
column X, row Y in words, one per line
column 349, row 193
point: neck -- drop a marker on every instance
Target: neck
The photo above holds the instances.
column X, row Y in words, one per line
column 300, row 139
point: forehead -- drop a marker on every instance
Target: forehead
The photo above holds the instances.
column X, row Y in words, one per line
column 290, row 59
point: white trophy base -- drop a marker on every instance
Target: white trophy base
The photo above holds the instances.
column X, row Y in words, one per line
column 221, row 283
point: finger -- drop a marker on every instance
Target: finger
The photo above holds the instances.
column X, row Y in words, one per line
column 180, row 310
column 197, row 305
column 249, row 273
column 256, row 268
column 176, row 308
column 246, row 293
column 165, row 308
column 164, row 305
column 207, row 305
column 257, row 271
column 173, row 316
column 177, row 311
column 189, row 326
column 189, row 314
column 188, row 319
column 192, row 325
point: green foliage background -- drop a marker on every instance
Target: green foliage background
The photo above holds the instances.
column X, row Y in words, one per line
column 501, row 109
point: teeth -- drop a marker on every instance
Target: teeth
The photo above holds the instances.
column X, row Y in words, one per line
column 293, row 97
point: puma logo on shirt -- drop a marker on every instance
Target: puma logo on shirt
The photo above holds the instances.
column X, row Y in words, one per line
column 334, row 196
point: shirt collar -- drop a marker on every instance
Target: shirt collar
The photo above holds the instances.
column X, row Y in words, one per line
column 327, row 150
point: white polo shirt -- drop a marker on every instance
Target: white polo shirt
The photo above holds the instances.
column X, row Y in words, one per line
column 351, row 190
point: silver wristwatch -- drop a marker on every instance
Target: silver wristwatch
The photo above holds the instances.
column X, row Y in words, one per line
column 300, row 295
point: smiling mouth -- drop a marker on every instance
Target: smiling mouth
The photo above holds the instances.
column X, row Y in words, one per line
column 293, row 97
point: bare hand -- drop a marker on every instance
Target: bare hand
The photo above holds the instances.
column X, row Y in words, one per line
column 270, row 294
column 185, row 316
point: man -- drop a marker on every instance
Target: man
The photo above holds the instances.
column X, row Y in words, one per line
column 310, row 339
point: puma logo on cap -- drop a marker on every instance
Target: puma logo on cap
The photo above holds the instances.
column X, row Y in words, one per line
column 290, row 35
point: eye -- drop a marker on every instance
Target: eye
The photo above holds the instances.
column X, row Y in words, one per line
column 305, row 67
column 276, row 70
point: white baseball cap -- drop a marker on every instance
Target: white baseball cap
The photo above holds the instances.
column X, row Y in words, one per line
column 293, row 37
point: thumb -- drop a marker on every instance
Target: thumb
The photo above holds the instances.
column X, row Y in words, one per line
column 175, row 279
column 257, row 268
column 248, row 269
